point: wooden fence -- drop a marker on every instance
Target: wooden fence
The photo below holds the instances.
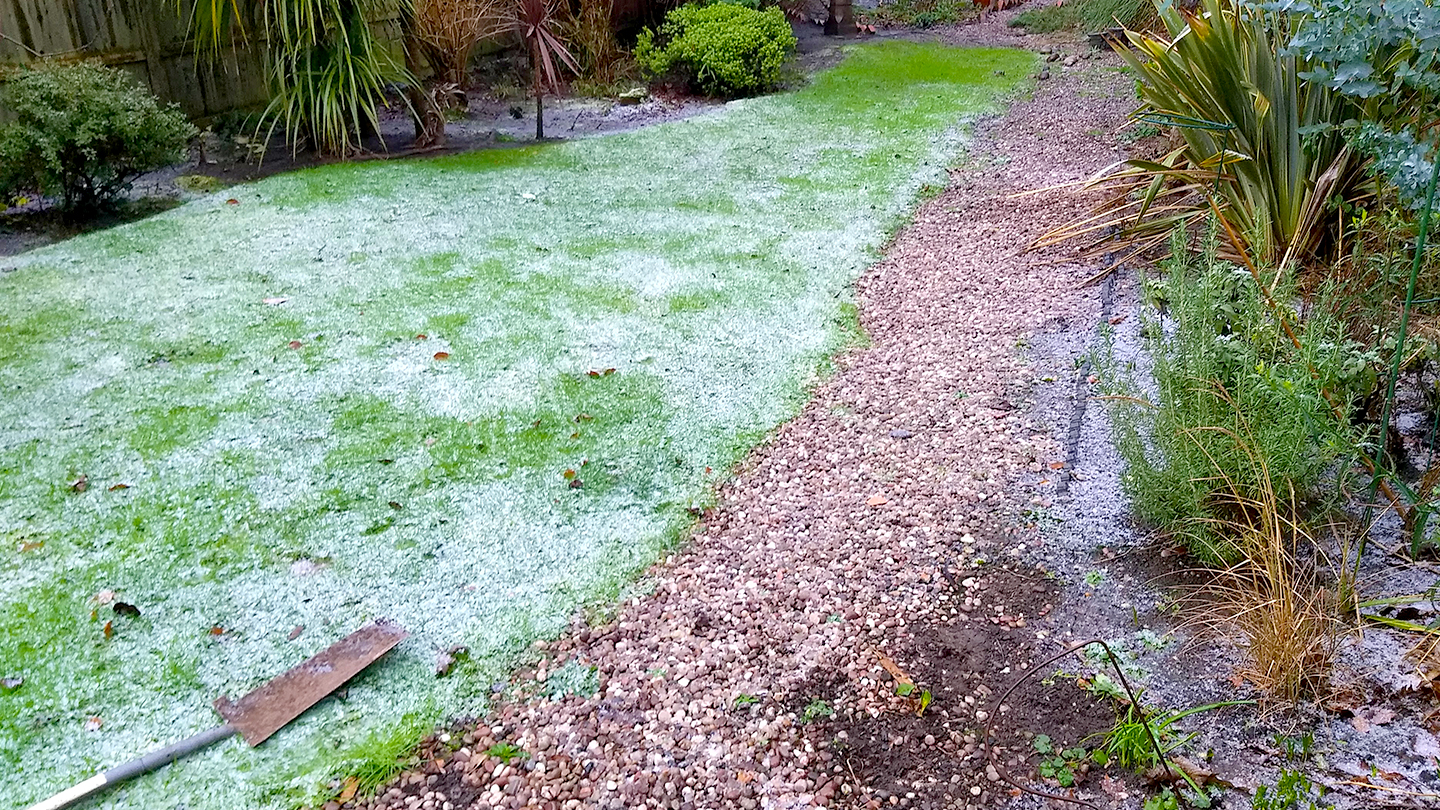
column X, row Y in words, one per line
column 147, row 39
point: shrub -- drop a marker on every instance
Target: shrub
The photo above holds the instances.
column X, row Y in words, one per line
column 1237, row 410
column 84, row 132
column 1089, row 15
column 722, row 49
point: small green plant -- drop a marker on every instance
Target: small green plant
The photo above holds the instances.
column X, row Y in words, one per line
column 573, row 678
column 743, row 700
column 1295, row 748
column 1131, row 741
column 722, row 49
column 1139, row 132
column 919, row 13
column 84, row 133
column 816, row 709
column 1164, row 800
column 1152, row 641
column 506, row 752
column 1094, row 577
column 1060, row 765
column 1291, row 791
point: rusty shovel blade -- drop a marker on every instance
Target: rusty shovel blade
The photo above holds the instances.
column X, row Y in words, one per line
column 270, row 707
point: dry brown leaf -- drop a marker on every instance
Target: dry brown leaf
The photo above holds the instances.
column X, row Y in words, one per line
column 118, row 487
column 295, row 344
column 442, row 355
column 80, row 484
column 347, row 790
column 894, row 669
column 108, row 631
column 31, row 545
column 93, row 723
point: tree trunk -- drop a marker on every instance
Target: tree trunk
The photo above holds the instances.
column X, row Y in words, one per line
column 841, row 20
column 539, row 115
column 429, row 118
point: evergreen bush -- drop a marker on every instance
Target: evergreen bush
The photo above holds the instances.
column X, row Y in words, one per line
column 722, row 49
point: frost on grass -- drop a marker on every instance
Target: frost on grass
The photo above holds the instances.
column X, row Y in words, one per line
column 356, row 392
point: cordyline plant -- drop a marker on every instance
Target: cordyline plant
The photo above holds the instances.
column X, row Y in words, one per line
column 535, row 20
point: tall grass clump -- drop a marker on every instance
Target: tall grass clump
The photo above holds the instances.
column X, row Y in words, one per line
column 1088, row 15
column 1235, row 408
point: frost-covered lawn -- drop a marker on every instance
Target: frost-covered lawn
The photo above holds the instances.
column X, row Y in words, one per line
column 359, row 391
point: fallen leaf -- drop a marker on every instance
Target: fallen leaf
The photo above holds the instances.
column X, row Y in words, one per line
column 126, row 609
column 31, row 545
column 1117, row 320
column 877, row 500
column 584, row 417
column 108, row 631
column 576, row 483
column 422, row 336
column 593, row 373
column 80, row 484
column 11, row 683
column 442, row 355
column 1057, row 465
column 295, row 344
column 446, row 660
column 348, row 789
column 93, row 723
column 274, row 302
column 232, row 201
column 895, row 671
column 385, row 461
column 294, row 634
column 396, row 505
column 217, row 630
column 568, row 474
column 607, row 372
column 118, row 487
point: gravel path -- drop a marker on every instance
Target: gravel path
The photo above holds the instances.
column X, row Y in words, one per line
column 848, row 545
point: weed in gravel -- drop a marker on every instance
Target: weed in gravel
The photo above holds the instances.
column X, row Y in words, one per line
column 1164, row 800
column 817, row 709
column 506, row 752
column 573, row 678
column 744, row 701
column 1062, row 765
column 1094, row 577
column 1291, row 791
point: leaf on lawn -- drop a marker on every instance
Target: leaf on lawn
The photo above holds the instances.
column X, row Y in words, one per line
column 274, row 302
column 295, row 344
column 446, row 660
column 118, row 487
column 877, row 500
column 217, row 630
column 126, row 609
column 31, row 545
column 11, row 683
column 568, row 474
column 584, row 417
column 576, row 483
column 442, row 355
column 422, row 336
column 232, row 201
column 294, row 634
column 109, row 630
column 396, row 505
column 385, row 461
column 80, row 484
column 93, row 723
column 348, row 789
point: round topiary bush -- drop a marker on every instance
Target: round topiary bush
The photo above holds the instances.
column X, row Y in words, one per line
column 722, row 49
column 83, row 133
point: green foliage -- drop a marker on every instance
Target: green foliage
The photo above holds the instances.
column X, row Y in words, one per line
column 1383, row 55
column 506, row 752
column 721, row 50
column 1086, row 15
column 1258, row 144
column 743, row 701
column 327, row 73
column 1164, row 800
column 1060, row 765
column 1291, row 791
column 816, row 709
column 85, row 132
column 920, row 13
column 1235, row 401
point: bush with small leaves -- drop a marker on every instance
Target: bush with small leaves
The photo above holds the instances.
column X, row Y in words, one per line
column 84, row 133
column 722, row 49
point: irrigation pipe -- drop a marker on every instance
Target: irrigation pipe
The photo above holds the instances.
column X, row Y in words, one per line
column 1134, row 701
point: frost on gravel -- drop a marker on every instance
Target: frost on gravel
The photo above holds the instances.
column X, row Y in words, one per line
column 466, row 394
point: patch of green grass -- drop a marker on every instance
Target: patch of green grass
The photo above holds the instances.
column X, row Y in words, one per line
column 1086, row 15
column 817, row 709
column 385, row 389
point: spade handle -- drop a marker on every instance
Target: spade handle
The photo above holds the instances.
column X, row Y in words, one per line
column 135, row 767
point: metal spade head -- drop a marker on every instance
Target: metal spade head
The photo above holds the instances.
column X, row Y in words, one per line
column 270, row 707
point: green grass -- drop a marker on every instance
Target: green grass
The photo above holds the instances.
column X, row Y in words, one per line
column 314, row 463
column 1085, row 15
